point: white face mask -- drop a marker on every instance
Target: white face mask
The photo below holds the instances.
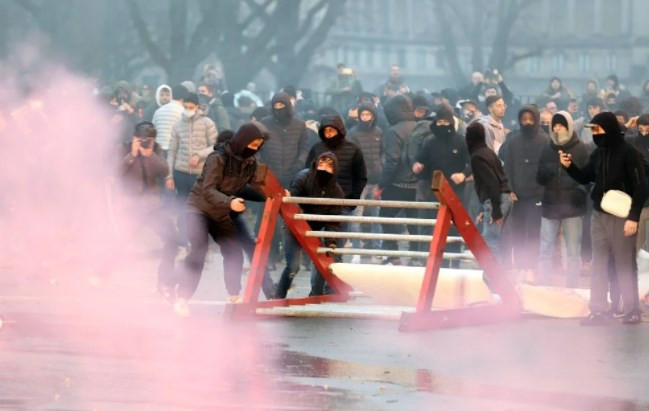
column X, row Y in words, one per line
column 563, row 137
column 188, row 113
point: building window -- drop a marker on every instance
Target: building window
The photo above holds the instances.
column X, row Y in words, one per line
column 401, row 58
column 369, row 56
column 611, row 62
column 421, row 59
column 440, row 59
column 584, row 63
column 558, row 63
column 385, row 58
column 533, row 65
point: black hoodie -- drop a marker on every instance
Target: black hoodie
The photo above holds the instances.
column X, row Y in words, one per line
column 521, row 157
column 614, row 165
column 397, row 170
column 488, row 174
column 352, row 173
column 224, row 176
column 369, row 137
column 286, row 150
column 445, row 152
column 306, row 184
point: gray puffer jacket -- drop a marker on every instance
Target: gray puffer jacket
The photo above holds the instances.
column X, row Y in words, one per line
column 189, row 137
column 369, row 137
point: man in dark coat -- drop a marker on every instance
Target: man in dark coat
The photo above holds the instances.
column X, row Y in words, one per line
column 614, row 165
column 521, row 154
column 563, row 202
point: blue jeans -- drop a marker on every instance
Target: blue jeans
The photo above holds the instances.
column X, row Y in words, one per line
column 491, row 232
column 572, row 229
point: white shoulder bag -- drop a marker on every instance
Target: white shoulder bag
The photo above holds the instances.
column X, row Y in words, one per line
column 617, row 203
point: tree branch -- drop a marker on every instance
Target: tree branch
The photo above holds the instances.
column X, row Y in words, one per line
column 515, row 58
column 256, row 10
column 308, row 21
column 145, row 37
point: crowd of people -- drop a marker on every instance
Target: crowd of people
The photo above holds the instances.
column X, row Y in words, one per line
column 557, row 186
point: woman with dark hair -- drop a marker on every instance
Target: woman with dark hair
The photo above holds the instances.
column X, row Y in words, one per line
column 558, row 93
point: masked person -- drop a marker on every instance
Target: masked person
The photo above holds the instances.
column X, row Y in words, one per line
column 491, row 186
column 319, row 180
column 213, row 205
column 614, row 165
column 143, row 168
column 563, row 205
column 639, row 138
column 521, row 154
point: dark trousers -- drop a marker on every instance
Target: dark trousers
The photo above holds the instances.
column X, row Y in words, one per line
column 398, row 194
column 184, row 182
column 525, row 225
column 163, row 226
column 609, row 242
column 232, row 241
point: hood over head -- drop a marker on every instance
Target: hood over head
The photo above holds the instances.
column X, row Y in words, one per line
column 323, row 178
column 475, row 137
column 608, row 121
column 561, row 117
column 398, row 108
column 159, row 90
column 247, row 134
column 535, row 115
column 334, row 122
column 288, row 106
column 443, row 112
column 326, row 154
column 369, row 107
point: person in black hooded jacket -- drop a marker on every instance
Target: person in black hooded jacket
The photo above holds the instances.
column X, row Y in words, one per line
column 318, row 180
column 213, row 205
column 614, row 165
column 397, row 182
column 491, row 185
column 352, row 173
column 564, row 200
column 521, row 154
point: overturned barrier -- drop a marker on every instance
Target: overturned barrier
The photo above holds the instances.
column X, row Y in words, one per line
column 449, row 211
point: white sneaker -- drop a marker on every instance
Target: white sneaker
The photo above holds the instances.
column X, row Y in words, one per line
column 356, row 259
column 181, row 308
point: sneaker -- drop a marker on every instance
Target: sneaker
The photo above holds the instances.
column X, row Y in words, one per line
column 165, row 293
column 632, row 319
column 392, row 261
column 235, row 299
column 615, row 313
column 356, row 259
column 181, row 308
column 596, row 319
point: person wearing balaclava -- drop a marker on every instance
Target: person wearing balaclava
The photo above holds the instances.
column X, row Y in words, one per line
column 369, row 137
column 638, row 137
column 214, row 204
column 491, row 186
column 285, row 151
column 520, row 154
column 563, row 203
column 319, row 181
column 614, row 165
column 446, row 151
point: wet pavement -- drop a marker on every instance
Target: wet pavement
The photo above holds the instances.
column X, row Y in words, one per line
column 113, row 346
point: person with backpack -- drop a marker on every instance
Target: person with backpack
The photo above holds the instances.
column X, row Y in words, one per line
column 398, row 182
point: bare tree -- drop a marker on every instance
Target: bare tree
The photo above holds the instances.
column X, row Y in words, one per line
column 498, row 21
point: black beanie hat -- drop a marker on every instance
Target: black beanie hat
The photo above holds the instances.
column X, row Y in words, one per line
column 475, row 136
column 179, row 92
column 559, row 119
column 191, row 98
column 145, row 129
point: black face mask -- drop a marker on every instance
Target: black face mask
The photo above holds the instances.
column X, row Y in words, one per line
column 282, row 114
column 248, row 152
column 443, row 131
column 334, row 141
column 528, row 128
column 601, row 140
column 323, row 177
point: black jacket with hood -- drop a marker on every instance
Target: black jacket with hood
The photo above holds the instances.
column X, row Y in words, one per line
column 400, row 115
column 614, row 165
column 352, row 174
column 521, row 157
column 444, row 151
column 563, row 197
column 488, row 174
column 225, row 175
column 369, row 137
column 306, row 184
column 286, row 150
